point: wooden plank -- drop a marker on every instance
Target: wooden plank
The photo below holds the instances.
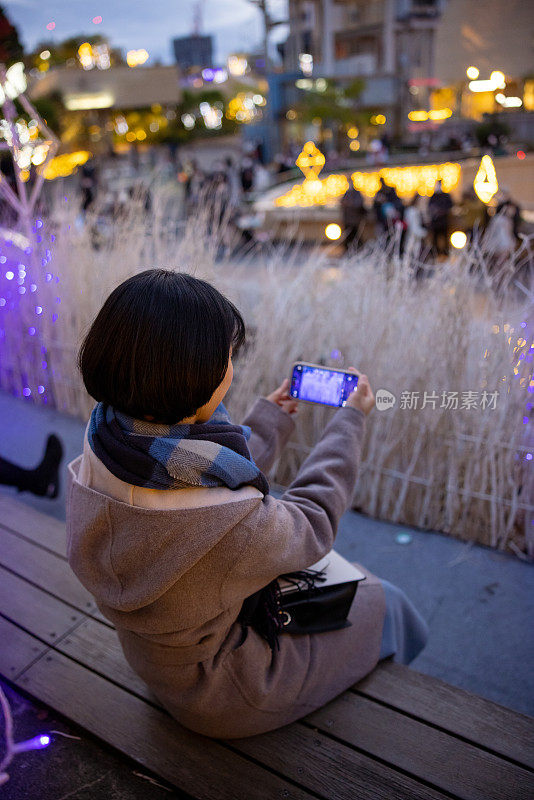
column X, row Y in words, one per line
column 467, row 772
column 331, row 768
column 40, row 528
column 31, row 608
column 97, row 646
column 199, row 765
column 418, row 748
column 414, row 749
column 346, row 777
column 18, row 649
column 500, row 729
column 45, row 569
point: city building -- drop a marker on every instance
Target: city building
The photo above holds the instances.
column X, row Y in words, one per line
column 385, row 42
column 412, row 56
column 474, row 44
column 499, row 36
column 106, row 107
column 193, row 52
column 121, row 87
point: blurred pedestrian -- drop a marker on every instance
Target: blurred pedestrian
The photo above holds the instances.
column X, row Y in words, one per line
column 500, row 239
column 439, row 211
column 472, row 212
column 353, row 214
column 511, row 208
column 415, row 228
column 389, row 208
column 88, row 184
column 234, row 184
column 247, row 174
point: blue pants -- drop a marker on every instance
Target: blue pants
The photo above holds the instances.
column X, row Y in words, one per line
column 405, row 631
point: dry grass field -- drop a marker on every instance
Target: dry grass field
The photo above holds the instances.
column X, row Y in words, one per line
column 459, row 329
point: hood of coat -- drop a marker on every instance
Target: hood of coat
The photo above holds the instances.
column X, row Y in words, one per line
column 126, row 556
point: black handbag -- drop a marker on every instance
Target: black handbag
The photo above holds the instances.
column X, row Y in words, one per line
column 303, row 607
column 315, row 609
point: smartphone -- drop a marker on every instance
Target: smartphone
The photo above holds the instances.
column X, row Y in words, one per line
column 312, row 383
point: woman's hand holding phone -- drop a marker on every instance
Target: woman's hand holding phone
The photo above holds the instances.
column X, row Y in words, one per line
column 362, row 397
column 282, row 398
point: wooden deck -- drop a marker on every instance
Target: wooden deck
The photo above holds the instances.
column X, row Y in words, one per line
column 396, row 735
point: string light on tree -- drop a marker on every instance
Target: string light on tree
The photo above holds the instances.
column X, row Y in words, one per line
column 25, row 147
column 31, row 147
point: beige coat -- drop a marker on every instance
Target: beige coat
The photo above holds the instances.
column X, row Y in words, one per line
column 171, row 568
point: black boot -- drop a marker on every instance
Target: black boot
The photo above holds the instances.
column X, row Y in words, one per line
column 44, row 479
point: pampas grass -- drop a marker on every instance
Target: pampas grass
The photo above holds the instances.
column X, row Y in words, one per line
column 462, row 471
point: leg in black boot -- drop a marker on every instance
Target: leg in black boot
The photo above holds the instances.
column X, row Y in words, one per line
column 44, row 479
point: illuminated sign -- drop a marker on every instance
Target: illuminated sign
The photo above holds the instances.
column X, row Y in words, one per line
column 86, row 102
column 406, row 181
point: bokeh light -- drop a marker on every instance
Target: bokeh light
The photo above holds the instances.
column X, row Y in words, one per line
column 332, row 231
column 458, row 239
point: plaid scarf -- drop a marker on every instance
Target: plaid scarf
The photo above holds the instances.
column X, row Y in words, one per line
column 156, row 456
column 212, row 453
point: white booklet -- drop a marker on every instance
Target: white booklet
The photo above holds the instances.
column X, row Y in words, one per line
column 337, row 570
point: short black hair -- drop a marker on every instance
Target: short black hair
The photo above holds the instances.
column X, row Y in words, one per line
column 160, row 344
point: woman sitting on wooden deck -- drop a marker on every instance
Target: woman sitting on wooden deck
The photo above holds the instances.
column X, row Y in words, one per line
column 171, row 526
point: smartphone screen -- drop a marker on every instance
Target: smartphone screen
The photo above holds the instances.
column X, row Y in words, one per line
column 316, row 384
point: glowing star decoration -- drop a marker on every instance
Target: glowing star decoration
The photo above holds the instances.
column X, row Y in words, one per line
column 485, row 183
column 310, row 161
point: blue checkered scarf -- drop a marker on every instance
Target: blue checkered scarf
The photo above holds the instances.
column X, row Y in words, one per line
column 157, row 456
